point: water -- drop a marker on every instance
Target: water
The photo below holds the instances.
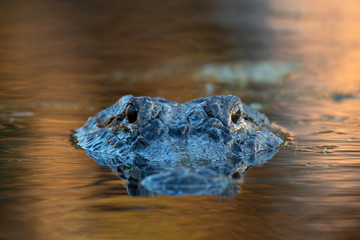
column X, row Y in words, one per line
column 61, row 62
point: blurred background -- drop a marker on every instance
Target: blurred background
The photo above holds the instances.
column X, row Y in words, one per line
column 63, row 61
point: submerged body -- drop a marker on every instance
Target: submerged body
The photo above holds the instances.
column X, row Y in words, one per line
column 219, row 134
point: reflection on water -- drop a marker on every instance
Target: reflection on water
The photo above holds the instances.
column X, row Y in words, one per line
column 61, row 62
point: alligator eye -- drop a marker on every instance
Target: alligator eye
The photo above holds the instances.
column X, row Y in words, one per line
column 131, row 113
column 236, row 113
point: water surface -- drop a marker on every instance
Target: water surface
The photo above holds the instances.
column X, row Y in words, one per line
column 61, row 62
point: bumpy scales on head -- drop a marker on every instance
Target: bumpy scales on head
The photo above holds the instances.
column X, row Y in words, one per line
column 164, row 147
column 218, row 133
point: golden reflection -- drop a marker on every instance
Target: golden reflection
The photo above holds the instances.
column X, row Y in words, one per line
column 55, row 68
column 325, row 38
column 54, row 63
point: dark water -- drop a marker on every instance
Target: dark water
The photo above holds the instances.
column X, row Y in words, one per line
column 63, row 61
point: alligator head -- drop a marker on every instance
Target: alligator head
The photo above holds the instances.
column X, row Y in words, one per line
column 219, row 133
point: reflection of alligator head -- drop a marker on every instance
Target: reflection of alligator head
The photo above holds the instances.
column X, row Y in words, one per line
column 163, row 147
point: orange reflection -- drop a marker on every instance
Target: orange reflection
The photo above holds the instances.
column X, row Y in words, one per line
column 61, row 72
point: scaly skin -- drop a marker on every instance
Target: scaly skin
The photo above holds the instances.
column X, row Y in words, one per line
column 150, row 135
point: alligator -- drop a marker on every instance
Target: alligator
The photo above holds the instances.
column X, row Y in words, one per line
column 163, row 147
